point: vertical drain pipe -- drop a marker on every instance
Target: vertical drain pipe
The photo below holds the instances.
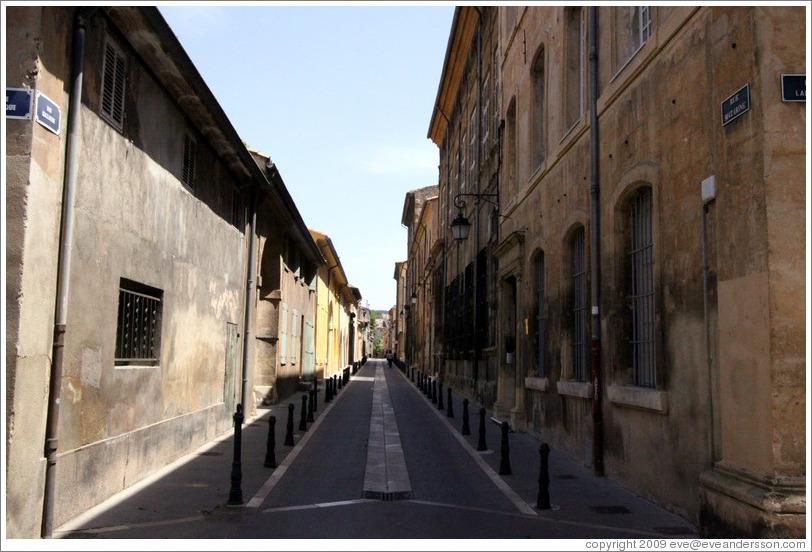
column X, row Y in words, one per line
column 594, row 252
column 249, row 299
column 63, row 272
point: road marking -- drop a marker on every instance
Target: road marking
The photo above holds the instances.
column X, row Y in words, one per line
column 267, row 487
column 320, row 505
column 125, row 527
column 517, row 501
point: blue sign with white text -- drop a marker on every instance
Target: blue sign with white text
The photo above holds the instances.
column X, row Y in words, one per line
column 48, row 114
column 18, row 103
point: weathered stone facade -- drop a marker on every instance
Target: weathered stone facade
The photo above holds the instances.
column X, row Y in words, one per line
column 153, row 252
column 685, row 392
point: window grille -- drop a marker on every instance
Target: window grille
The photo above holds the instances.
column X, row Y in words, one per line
column 138, row 335
column 579, row 307
column 486, row 109
column 283, row 334
column 641, row 261
column 463, row 151
column 189, row 171
column 472, row 150
column 113, row 80
column 541, row 318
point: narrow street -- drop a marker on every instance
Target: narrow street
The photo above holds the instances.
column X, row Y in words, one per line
column 379, row 461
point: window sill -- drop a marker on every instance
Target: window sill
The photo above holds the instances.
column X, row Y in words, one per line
column 575, row 389
column 641, row 398
column 539, row 384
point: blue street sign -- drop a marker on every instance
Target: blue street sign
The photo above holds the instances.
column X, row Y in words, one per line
column 793, row 88
column 47, row 113
column 736, row 105
column 18, row 103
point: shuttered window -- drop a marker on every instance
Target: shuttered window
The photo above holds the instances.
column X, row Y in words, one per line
column 189, row 161
column 114, row 74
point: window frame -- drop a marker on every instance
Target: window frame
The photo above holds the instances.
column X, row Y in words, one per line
column 147, row 296
column 118, row 81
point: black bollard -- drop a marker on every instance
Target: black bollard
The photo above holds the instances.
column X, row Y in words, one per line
column 466, row 429
column 335, row 385
column 411, row 373
column 328, row 390
column 543, row 500
column 440, row 405
column 289, row 434
column 434, row 390
column 310, row 418
column 270, row 447
column 341, row 380
column 235, row 495
column 504, row 462
column 450, row 409
column 315, row 399
column 303, row 420
column 481, row 445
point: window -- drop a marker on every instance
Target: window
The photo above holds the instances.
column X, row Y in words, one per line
column 472, row 150
column 294, row 337
column 486, row 112
column 189, row 161
column 113, row 80
column 540, row 315
column 463, row 151
column 538, row 111
column 641, row 270
column 574, row 66
column 283, row 334
column 138, row 335
column 579, row 306
column 633, row 29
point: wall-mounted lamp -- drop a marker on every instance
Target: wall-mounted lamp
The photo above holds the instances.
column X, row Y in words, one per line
column 414, row 297
column 460, row 227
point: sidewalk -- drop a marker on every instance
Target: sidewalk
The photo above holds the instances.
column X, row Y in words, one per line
column 577, row 495
column 171, row 503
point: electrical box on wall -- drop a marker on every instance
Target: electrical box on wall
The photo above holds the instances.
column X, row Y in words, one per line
column 709, row 189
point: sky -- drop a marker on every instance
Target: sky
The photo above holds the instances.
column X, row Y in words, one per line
column 340, row 97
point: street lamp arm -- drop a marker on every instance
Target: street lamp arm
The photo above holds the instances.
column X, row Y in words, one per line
column 493, row 199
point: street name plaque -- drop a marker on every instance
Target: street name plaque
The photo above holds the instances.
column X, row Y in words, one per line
column 736, row 105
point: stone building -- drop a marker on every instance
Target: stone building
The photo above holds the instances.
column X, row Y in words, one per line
column 400, row 312
column 288, row 260
column 336, row 304
column 624, row 204
column 141, row 235
column 417, row 246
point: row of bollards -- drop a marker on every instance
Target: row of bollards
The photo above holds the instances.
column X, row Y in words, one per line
column 433, row 389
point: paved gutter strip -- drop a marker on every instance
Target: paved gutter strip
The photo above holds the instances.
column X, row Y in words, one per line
column 386, row 476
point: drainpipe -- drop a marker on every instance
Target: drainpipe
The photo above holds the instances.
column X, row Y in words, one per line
column 594, row 253
column 63, row 271
column 249, row 299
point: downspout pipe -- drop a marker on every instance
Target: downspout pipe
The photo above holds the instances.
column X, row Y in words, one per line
column 594, row 249
column 250, row 288
column 63, row 271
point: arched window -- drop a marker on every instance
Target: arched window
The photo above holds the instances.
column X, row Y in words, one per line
column 539, row 109
column 578, row 305
column 540, row 316
column 641, row 289
column 574, row 66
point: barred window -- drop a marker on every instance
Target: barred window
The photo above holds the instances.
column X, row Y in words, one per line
column 138, row 335
column 579, row 307
column 113, row 80
column 189, row 171
column 641, row 263
column 540, row 315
